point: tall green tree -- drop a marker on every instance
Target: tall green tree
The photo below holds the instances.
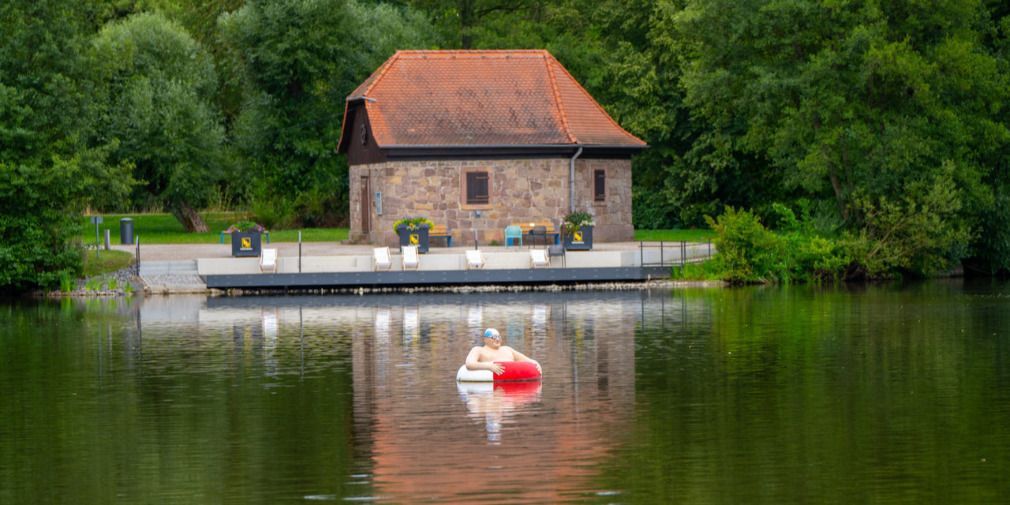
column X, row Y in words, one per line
column 158, row 86
column 301, row 59
column 48, row 174
column 890, row 110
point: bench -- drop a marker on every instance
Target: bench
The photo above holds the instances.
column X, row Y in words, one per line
column 527, row 228
column 440, row 231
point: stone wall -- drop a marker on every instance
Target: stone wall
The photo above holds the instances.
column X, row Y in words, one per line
column 520, row 190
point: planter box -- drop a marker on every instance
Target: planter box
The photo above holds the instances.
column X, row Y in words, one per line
column 245, row 244
column 418, row 237
column 580, row 240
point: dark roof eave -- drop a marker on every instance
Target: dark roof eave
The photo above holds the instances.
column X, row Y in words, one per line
column 568, row 147
column 508, row 150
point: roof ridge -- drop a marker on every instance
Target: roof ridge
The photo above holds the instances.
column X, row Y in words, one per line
column 594, row 102
column 557, row 99
column 536, row 53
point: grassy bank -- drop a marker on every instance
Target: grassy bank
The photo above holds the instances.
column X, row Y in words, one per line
column 165, row 229
column 702, row 235
column 104, row 262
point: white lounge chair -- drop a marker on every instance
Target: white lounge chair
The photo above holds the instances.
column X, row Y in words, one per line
column 538, row 258
column 410, row 259
column 474, row 259
column 381, row 259
column 268, row 260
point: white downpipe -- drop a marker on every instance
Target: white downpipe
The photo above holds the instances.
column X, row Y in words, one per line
column 571, row 180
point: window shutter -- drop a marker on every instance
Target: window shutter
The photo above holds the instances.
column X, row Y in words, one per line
column 600, row 186
column 476, row 188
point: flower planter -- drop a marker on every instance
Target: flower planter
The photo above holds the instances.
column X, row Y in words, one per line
column 580, row 239
column 417, row 237
column 246, row 244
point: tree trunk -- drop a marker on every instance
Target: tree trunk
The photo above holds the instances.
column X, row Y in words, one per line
column 465, row 23
column 189, row 218
column 839, row 197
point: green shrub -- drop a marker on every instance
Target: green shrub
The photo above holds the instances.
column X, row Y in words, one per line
column 748, row 252
column 67, row 283
column 703, row 271
column 93, row 284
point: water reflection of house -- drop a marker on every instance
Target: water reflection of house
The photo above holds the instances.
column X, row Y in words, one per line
column 586, row 403
column 412, row 431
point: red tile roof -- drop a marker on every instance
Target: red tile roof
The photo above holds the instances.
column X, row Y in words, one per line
column 482, row 98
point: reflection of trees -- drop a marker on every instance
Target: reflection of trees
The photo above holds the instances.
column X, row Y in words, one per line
column 790, row 395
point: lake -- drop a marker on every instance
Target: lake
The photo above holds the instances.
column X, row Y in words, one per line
column 856, row 394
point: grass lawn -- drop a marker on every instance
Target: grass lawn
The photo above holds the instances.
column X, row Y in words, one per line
column 674, row 235
column 103, row 262
column 165, row 229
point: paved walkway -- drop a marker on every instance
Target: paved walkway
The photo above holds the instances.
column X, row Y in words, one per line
column 172, row 268
column 177, row 252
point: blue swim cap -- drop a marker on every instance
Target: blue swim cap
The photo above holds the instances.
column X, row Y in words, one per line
column 492, row 333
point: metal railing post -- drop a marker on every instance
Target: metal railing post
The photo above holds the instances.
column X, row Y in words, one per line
column 137, row 238
column 683, row 253
column 299, row 252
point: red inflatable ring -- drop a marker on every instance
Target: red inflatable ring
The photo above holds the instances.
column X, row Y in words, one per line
column 514, row 371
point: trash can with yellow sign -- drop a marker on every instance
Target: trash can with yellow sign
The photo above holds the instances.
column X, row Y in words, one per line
column 246, row 243
column 414, row 235
column 579, row 239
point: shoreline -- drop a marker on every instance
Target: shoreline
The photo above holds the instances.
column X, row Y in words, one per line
column 361, row 291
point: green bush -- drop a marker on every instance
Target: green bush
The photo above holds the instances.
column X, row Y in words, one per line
column 748, row 252
column 67, row 283
column 704, row 271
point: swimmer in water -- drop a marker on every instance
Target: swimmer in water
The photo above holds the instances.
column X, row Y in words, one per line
column 484, row 357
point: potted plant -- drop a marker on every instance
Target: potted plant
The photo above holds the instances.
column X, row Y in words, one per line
column 413, row 231
column 245, row 238
column 578, row 231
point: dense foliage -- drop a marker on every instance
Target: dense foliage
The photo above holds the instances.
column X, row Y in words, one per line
column 48, row 172
column 882, row 125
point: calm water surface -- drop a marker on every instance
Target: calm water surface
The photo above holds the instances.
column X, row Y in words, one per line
column 720, row 396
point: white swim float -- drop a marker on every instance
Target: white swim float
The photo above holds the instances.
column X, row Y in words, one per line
column 514, row 371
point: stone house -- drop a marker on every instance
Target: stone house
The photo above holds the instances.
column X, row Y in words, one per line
column 479, row 140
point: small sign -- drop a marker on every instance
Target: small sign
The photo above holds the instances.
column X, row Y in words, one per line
column 96, row 219
column 577, row 237
column 415, row 239
column 246, row 243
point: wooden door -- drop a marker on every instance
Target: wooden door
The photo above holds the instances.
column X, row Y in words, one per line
column 366, row 206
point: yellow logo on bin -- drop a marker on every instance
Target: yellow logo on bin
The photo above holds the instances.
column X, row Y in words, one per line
column 246, row 242
column 577, row 236
column 414, row 239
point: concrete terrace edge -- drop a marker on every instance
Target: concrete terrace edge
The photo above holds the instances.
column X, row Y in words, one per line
column 404, row 279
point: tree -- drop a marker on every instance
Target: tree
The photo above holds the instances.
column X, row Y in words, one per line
column 158, row 86
column 887, row 110
column 47, row 172
column 301, row 59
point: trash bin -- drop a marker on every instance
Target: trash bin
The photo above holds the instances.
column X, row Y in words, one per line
column 126, row 231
